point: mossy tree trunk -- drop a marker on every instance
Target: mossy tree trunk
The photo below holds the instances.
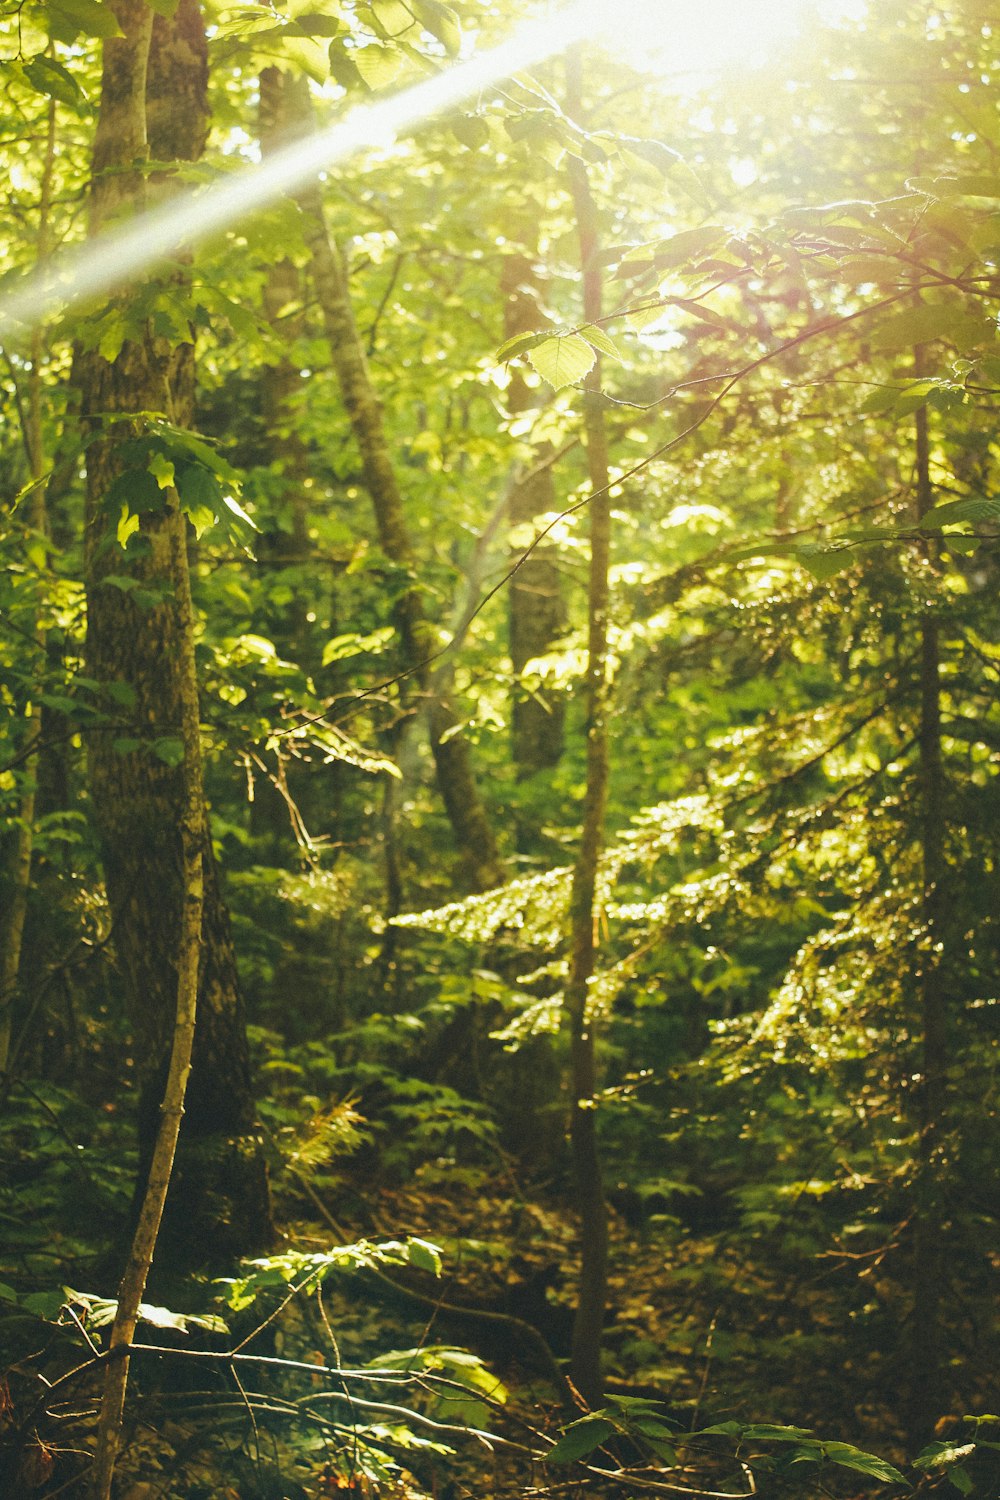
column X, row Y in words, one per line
column 17, row 863
column 140, row 648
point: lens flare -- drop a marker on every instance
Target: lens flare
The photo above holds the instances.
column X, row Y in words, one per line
column 118, row 256
column 648, row 30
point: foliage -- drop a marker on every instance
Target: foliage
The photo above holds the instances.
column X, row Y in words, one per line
column 799, row 374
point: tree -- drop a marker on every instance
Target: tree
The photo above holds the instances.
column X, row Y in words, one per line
column 140, row 652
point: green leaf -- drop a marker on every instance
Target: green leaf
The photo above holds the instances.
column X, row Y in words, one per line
column 69, row 19
column 579, row 1439
column 197, row 488
column 562, row 359
column 442, row 22
column 137, row 489
column 702, row 313
column 179, row 443
column 471, row 131
column 342, row 68
column 112, row 338
column 424, row 1255
column 942, row 1454
column 128, row 525
column 688, row 245
column 343, row 646
column 169, row 750
column 378, row 65
column 598, row 339
column 202, row 519
column 46, row 1305
column 392, row 17
column 520, row 344
column 162, row 1317
column 923, row 324
column 315, row 23
column 49, row 77
column 772, row 1433
column 162, row 470
column 233, row 504
column 660, row 1438
column 972, row 508
column 849, row 1457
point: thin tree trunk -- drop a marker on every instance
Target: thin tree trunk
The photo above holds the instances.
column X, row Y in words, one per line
column 926, row 1355
column 537, row 614
column 453, row 764
column 282, row 806
column 17, row 883
column 144, row 654
column 585, row 1363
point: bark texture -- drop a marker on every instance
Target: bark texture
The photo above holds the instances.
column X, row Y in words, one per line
column 15, row 885
column 585, row 1362
column 140, row 648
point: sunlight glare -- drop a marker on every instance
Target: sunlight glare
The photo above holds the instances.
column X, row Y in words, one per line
column 679, row 35
column 686, row 41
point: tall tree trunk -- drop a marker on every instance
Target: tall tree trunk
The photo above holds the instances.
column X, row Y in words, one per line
column 143, row 655
column 452, row 761
column 281, row 804
column 537, row 614
column 15, row 887
column 585, row 1363
column 926, row 1354
column 191, row 831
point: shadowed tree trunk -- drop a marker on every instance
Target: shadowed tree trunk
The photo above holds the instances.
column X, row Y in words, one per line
column 16, row 882
column 585, row 1362
column 537, row 613
column 140, row 649
column 452, row 761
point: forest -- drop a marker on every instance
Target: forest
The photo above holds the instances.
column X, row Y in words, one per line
column 499, row 829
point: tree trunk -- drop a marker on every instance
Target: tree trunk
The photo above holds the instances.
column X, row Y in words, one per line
column 16, row 885
column 142, row 652
column 194, row 861
column 926, row 1354
column 282, row 806
column 585, row 1362
column 537, row 614
column 452, row 761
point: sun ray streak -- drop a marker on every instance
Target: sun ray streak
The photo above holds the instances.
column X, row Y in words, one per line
column 113, row 259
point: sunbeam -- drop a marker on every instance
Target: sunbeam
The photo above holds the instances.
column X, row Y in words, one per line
column 640, row 29
column 118, row 256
